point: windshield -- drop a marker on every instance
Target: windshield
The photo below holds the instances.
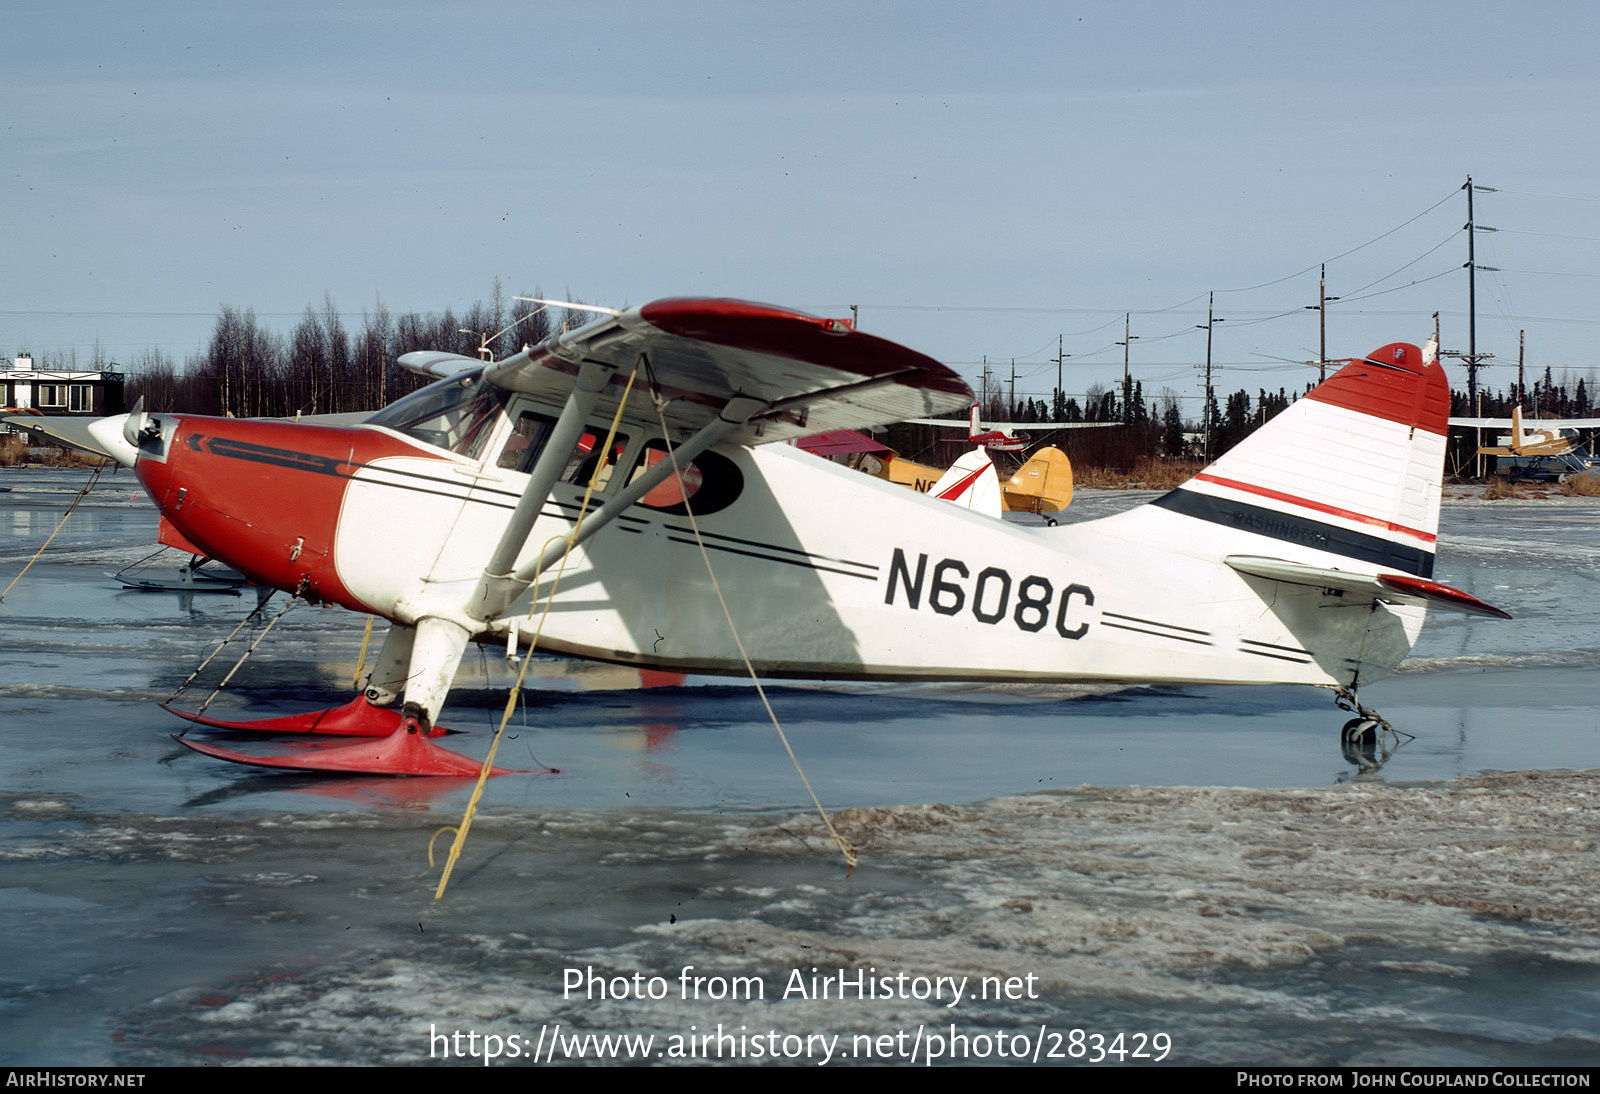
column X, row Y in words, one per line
column 456, row 414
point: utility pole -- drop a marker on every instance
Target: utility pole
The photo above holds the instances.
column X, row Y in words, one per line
column 1127, row 385
column 1060, row 401
column 1211, row 320
column 1473, row 358
column 1472, row 305
column 1321, row 308
column 1521, row 338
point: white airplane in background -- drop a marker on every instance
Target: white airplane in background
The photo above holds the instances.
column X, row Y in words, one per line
column 1550, row 437
column 1304, row 555
column 1553, row 451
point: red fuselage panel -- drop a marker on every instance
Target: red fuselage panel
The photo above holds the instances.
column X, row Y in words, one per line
column 263, row 496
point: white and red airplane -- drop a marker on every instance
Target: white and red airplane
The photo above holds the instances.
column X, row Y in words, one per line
column 1000, row 437
column 1303, row 556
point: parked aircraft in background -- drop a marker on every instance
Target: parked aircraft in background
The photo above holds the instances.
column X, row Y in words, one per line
column 1551, row 449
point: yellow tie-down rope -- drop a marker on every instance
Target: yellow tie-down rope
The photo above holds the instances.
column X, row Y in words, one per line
column 465, row 826
column 361, row 662
column 88, row 486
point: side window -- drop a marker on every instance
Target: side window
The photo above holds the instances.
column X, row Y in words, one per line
column 526, row 442
column 528, row 439
column 709, row 482
column 586, row 456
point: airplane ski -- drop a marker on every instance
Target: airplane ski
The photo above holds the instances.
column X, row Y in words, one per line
column 357, row 718
column 403, row 752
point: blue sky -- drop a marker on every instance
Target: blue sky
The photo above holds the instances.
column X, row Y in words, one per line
column 979, row 179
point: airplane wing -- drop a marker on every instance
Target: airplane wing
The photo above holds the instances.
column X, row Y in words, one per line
column 1527, row 423
column 841, row 442
column 438, row 364
column 811, row 375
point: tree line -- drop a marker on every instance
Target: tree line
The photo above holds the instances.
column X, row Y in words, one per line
column 324, row 365
column 247, row 369
column 1146, row 430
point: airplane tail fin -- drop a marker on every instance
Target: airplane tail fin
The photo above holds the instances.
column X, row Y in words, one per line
column 971, row 483
column 974, row 427
column 1042, row 485
column 1347, row 478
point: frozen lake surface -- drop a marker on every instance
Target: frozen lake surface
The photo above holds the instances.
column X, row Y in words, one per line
column 1203, row 863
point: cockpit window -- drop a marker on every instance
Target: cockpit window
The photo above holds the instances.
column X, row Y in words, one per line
column 456, row 414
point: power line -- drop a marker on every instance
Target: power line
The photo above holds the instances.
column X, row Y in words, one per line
column 1351, row 251
column 1546, row 235
column 1531, row 194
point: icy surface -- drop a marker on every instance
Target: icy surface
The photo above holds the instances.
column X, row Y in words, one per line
column 1202, row 862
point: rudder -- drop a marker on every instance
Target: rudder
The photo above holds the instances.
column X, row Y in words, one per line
column 1353, row 471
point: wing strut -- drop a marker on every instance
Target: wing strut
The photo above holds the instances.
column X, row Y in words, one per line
column 552, row 461
column 496, row 592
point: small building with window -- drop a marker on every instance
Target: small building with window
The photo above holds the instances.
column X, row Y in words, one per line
column 55, row 392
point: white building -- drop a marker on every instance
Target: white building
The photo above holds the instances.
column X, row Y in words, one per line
column 52, row 392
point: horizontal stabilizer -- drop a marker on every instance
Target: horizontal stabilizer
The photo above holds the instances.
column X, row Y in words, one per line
column 1396, row 588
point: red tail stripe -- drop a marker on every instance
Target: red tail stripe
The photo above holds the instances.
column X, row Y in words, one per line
column 1317, row 506
column 955, row 490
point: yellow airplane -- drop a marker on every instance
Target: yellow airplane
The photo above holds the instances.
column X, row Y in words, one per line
column 1551, row 451
column 1042, row 485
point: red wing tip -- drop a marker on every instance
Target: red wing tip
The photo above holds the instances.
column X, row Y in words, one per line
column 766, row 328
column 1443, row 594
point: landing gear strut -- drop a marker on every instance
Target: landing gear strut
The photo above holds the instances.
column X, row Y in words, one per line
column 1365, row 738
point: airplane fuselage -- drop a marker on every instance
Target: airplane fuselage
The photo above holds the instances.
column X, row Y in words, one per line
column 828, row 573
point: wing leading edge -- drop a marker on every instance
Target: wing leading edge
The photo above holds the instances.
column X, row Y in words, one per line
column 810, row 375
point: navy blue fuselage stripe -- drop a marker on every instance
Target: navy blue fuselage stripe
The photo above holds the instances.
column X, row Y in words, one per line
column 1299, row 530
